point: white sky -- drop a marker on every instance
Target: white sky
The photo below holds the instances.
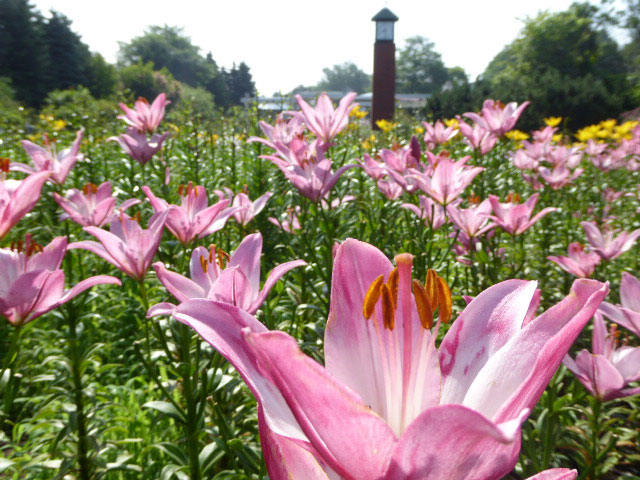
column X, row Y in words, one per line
column 286, row 43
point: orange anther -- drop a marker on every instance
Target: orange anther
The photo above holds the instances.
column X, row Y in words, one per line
column 425, row 312
column 388, row 310
column 372, row 296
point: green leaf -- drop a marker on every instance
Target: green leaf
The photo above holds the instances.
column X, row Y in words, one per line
column 167, row 408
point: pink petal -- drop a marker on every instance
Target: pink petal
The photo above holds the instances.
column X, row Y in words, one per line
column 556, row 474
column 275, row 275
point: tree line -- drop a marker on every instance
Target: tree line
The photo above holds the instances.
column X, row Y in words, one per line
column 39, row 55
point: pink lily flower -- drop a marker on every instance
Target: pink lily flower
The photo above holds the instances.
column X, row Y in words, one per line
column 473, row 221
column 289, row 224
column 282, row 133
column 194, row 218
column 608, row 368
column 448, row 181
column 496, row 117
column 92, row 206
column 46, row 159
column 143, row 116
column 627, row 314
column 434, row 215
column 516, row 218
column 559, row 176
column 579, row 262
column 18, row 197
column 556, row 474
column 246, row 209
column 606, row 245
column 388, row 404
column 127, row 246
column 32, row 282
column 438, row 134
column 236, row 282
column 478, row 137
column 136, row 144
column 325, row 121
column 376, row 170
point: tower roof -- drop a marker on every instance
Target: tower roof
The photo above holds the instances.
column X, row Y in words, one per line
column 385, row 15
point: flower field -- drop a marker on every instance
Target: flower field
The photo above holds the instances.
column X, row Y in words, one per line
column 253, row 296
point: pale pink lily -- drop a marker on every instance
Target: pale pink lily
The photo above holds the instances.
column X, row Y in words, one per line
column 434, row 215
column 607, row 245
column 478, row 137
column 438, row 133
column 193, row 218
column 627, row 314
column 496, row 117
column 46, row 159
column 608, row 369
column 143, row 116
column 448, row 181
column 376, row 170
column 282, row 133
column 246, row 209
column 390, row 189
column 127, row 246
column 388, row 404
column 138, row 146
column 579, row 262
column 18, row 197
column 93, row 205
column 32, row 282
column 473, row 221
column 325, row 121
column 559, row 176
column 291, row 222
column 515, row 218
column 399, row 164
column 236, row 282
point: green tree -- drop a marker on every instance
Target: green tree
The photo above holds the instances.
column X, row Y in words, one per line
column 566, row 64
column 346, row 77
column 68, row 56
column 420, row 68
column 240, row 83
column 166, row 47
column 23, row 56
column 143, row 80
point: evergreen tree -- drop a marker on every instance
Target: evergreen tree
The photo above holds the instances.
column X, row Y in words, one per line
column 68, row 56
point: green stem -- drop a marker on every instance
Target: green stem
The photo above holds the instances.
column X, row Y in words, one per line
column 8, row 364
column 81, row 420
column 596, row 408
column 191, row 426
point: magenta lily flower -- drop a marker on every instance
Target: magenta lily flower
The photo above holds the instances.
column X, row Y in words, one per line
column 438, row 133
column 46, row 159
column 194, row 218
column 579, row 262
column 627, row 314
column 246, row 209
column 127, row 246
column 608, row 369
column 18, row 197
column 478, row 137
column 138, row 146
column 32, row 282
column 289, row 224
column 605, row 244
column 516, row 218
column 388, row 404
column 448, row 181
column 143, row 116
column 496, row 117
column 473, row 221
column 93, row 205
column 325, row 121
column 236, row 282
column 282, row 133
column 434, row 215
column 559, row 176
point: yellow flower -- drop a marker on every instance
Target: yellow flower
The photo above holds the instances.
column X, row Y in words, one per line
column 215, row 137
column 608, row 124
column 366, row 145
column 517, row 135
column 174, row 127
column 587, row 133
column 372, row 138
column 419, row 129
column 553, row 121
column 452, row 122
column 386, row 126
column 59, row 125
column 358, row 113
column 557, row 137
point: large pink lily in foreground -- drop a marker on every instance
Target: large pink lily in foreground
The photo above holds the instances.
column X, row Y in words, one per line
column 609, row 368
column 236, row 282
column 18, row 197
column 143, row 116
column 32, row 282
column 127, row 246
column 46, row 159
column 388, row 404
column 193, row 218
